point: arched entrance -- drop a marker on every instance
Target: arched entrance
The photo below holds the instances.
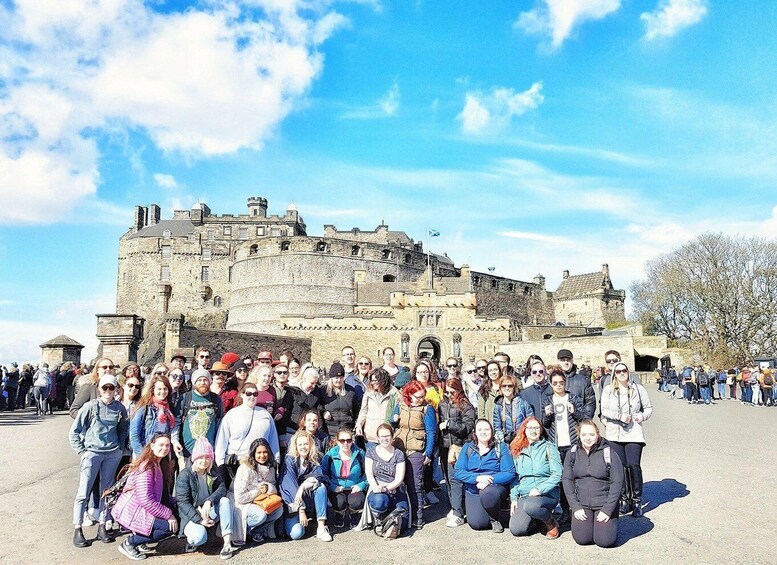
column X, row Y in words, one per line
column 430, row 347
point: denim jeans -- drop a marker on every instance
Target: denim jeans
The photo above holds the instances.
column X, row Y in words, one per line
column 92, row 464
column 159, row 531
column 256, row 516
column 383, row 503
column 705, row 394
column 531, row 508
column 313, row 499
column 196, row 534
column 722, row 390
column 41, row 394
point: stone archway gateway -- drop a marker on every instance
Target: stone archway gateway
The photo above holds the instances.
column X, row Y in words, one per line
column 430, row 347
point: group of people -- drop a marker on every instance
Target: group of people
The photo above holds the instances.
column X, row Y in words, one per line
column 704, row 385
column 259, row 448
column 46, row 388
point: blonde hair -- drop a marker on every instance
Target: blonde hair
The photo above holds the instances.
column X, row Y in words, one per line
column 313, row 456
column 614, row 384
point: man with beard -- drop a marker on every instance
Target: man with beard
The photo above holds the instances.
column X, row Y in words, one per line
column 201, row 412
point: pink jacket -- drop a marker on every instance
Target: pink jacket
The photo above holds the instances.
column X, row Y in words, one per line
column 139, row 503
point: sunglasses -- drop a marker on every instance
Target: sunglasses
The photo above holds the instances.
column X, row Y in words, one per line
column 109, row 387
column 483, row 368
column 540, row 372
column 611, row 361
column 204, row 356
column 176, row 377
column 451, row 366
column 106, row 367
column 469, row 371
column 349, row 440
column 255, row 393
column 364, row 363
column 507, row 386
column 161, row 373
column 281, row 372
column 621, row 371
column 129, row 385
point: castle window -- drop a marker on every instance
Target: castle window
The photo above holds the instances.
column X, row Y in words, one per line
column 253, row 250
column 547, row 336
column 408, row 258
column 475, row 281
column 228, row 230
column 229, row 275
column 389, row 278
column 165, row 253
column 259, row 230
column 166, row 234
column 511, row 287
column 191, row 238
column 321, row 246
column 355, row 251
column 276, row 232
column 205, row 274
column 526, row 290
column 206, row 253
column 243, row 233
column 165, row 274
column 211, row 235
column 387, row 253
column 285, row 245
column 217, row 301
column 494, row 283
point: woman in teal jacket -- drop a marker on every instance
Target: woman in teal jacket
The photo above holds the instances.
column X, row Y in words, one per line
column 535, row 491
column 343, row 467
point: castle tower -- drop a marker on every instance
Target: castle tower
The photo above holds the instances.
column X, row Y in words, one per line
column 257, row 207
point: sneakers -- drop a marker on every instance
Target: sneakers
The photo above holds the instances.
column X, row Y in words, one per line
column 454, row 521
column 88, row 521
column 257, row 536
column 497, row 527
column 78, row 538
column 145, row 549
column 130, row 552
column 323, row 534
column 339, row 520
column 226, row 552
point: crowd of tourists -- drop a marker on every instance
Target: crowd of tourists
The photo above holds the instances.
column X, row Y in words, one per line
column 704, row 385
column 250, row 449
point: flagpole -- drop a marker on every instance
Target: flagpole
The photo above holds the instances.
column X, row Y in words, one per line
column 428, row 259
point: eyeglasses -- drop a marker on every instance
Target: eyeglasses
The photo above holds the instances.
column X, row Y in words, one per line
column 281, row 372
column 349, row 440
column 621, row 371
column 109, row 387
column 469, row 371
column 540, row 372
column 241, row 370
column 419, row 397
column 255, row 393
column 130, row 385
column 507, row 386
column 611, row 361
column 365, row 363
column 106, row 367
column 204, row 356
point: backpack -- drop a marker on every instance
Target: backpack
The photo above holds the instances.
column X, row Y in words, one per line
column 112, row 493
column 704, row 379
column 768, row 380
column 721, row 377
column 687, row 373
column 391, row 526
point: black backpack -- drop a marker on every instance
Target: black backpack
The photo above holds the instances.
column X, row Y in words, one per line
column 112, row 493
column 391, row 526
column 704, row 379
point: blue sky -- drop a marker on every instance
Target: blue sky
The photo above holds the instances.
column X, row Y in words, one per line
column 535, row 135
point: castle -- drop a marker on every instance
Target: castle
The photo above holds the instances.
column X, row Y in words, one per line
column 256, row 273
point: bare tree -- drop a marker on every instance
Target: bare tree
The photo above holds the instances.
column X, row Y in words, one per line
column 716, row 294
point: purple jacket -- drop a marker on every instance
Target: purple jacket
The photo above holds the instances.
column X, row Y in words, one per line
column 139, row 503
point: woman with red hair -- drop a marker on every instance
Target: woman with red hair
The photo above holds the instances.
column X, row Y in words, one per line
column 416, row 424
column 536, row 492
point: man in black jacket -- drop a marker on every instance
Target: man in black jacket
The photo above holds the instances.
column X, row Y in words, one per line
column 538, row 393
column 577, row 383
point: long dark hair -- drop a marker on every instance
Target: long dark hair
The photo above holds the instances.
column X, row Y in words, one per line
column 383, row 378
column 488, row 384
column 147, row 458
column 457, row 397
column 492, row 441
column 256, row 444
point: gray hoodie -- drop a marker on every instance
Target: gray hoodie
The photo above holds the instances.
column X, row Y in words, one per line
column 99, row 427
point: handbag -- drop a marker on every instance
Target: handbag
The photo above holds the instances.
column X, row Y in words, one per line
column 268, row 502
column 453, row 453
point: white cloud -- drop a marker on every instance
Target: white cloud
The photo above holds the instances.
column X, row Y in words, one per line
column 672, row 16
column 165, row 181
column 558, row 18
column 539, row 237
column 209, row 80
column 386, row 107
column 770, row 224
column 484, row 113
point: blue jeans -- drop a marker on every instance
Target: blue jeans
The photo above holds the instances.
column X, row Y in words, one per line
column 316, row 499
column 531, row 508
column 705, row 394
column 722, row 390
column 383, row 503
column 256, row 516
column 92, row 465
column 196, row 534
column 159, row 531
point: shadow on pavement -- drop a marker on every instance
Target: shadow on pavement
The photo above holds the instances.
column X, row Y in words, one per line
column 630, row 528
column 661, row 492
column 24, row 417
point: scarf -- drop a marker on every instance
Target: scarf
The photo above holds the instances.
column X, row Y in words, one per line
column 163, row 412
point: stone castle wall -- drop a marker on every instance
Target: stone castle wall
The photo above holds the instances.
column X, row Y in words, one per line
column 592, row 310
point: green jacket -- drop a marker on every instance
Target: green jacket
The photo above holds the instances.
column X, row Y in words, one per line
column 537, row 466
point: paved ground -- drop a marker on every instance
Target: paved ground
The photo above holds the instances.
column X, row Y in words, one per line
column 709, row 472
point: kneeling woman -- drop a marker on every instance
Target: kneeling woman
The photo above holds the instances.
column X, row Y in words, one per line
column 140, row 508
column 592, row 479
column 302, row 487
column 486, row 468
column 385, row 468
column 343, row 467
column 257, row 504
column 536, row 490
column 202, row 500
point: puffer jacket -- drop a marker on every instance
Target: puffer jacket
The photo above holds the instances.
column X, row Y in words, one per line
column 461, row 422
column 508, row 416
column 343, row 410
column 140, row 502
column 537, row 466
column 587, row 481
column 617, row 404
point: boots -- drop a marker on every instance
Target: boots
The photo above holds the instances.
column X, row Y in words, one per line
column 636, row 490
column 624, row 506
column 78, row 538
column 551, row 529
column 103, row 535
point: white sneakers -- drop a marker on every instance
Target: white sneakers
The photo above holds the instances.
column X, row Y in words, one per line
column 323, row 534
column 454, row 521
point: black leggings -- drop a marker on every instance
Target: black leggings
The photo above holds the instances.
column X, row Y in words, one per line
column 484, row 506
column 342, row 501
column 630, row 453
column 588, row 531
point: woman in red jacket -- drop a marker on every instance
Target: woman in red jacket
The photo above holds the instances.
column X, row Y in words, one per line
column 140, row 508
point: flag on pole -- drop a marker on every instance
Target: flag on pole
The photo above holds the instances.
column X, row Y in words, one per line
column 432, row 233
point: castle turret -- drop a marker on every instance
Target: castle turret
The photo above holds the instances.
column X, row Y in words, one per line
column 154, row 214
column 257, row 207
column 539, row 280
